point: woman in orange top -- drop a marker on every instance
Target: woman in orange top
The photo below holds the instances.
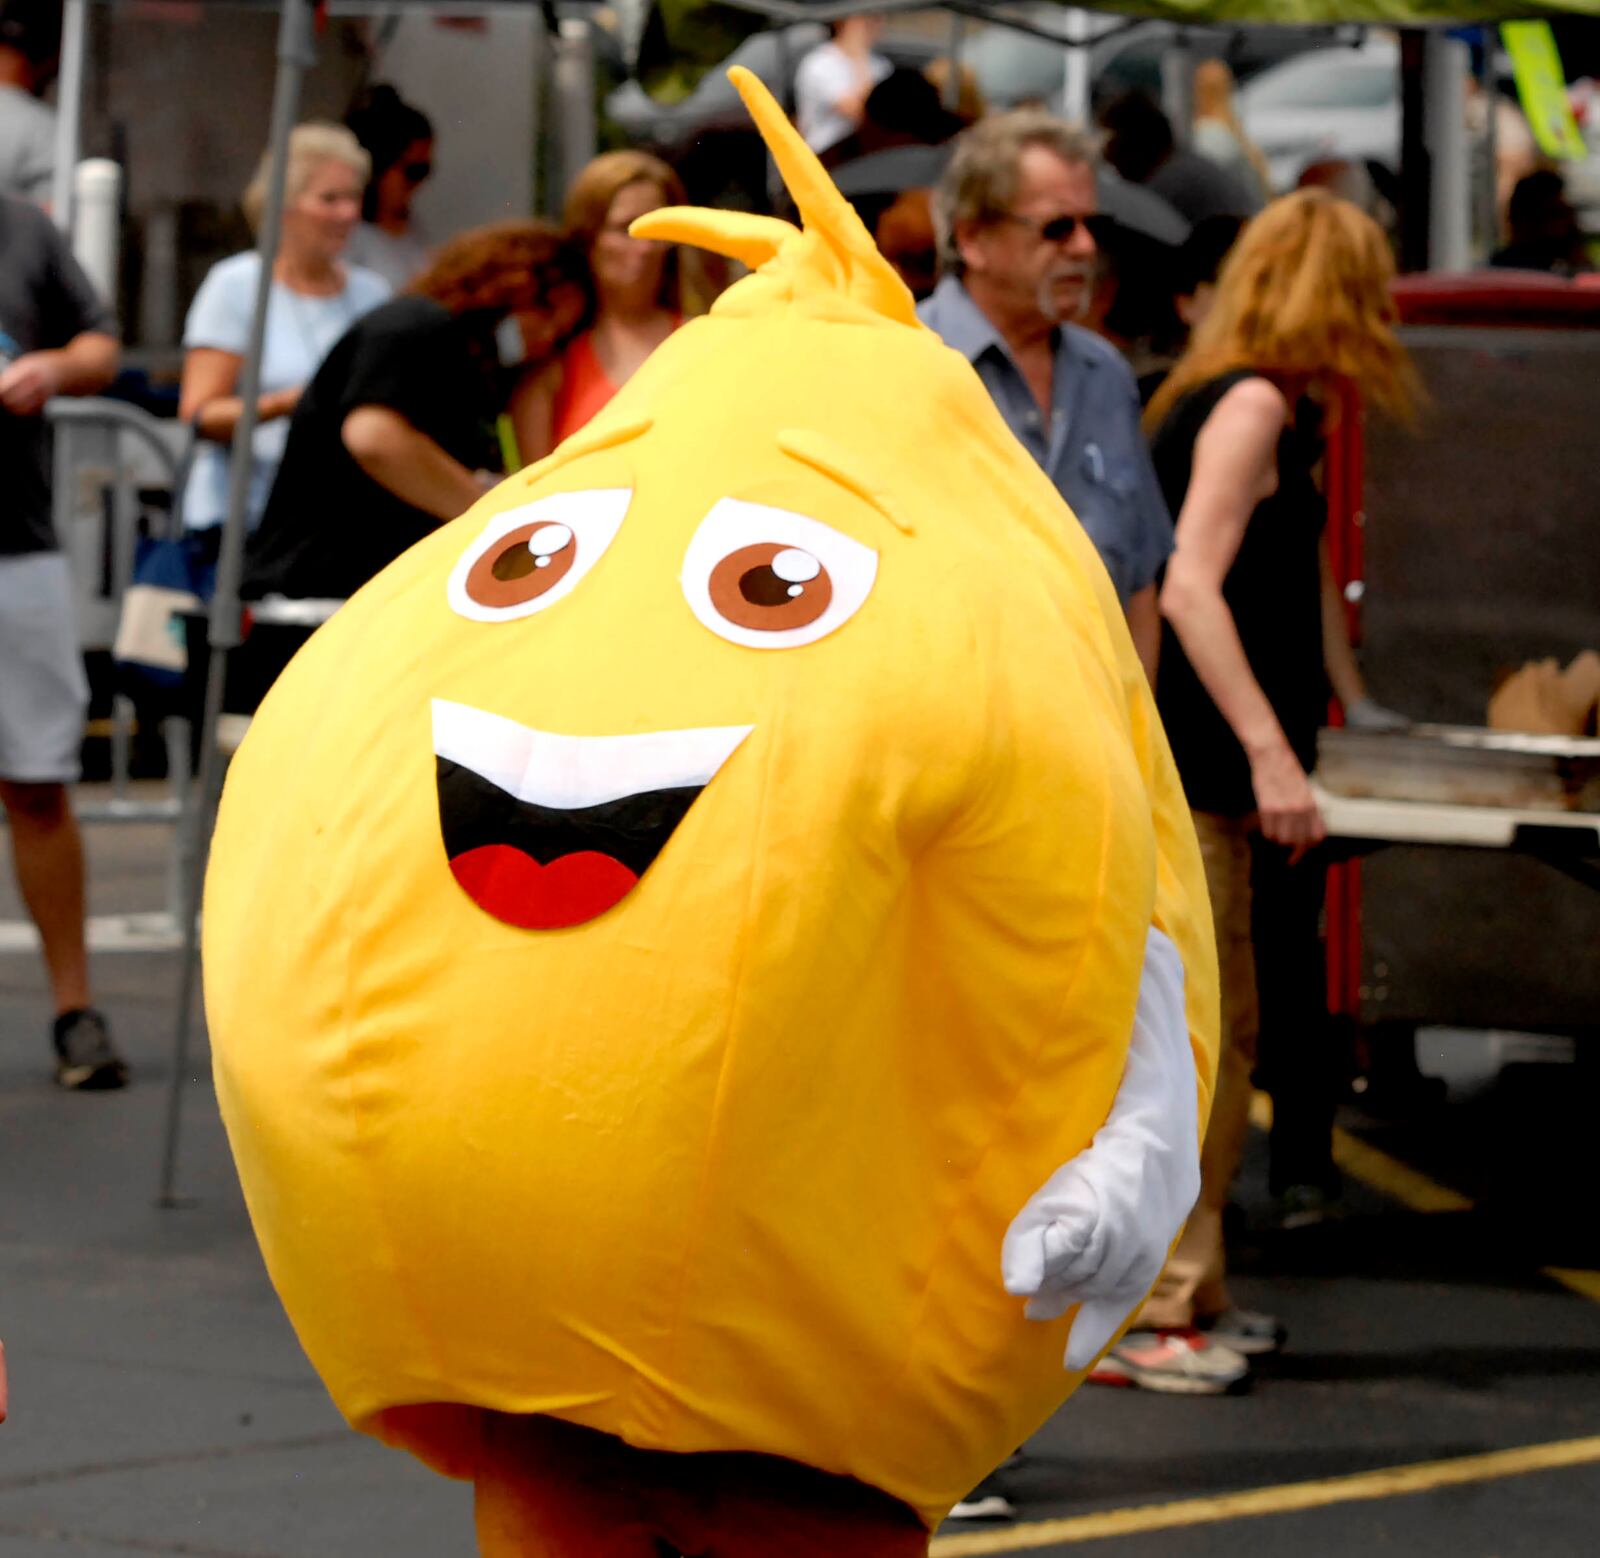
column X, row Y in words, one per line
column 640, row 291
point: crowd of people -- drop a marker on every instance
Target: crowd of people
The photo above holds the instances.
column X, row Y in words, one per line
column 1178, row 394
column 398, row 381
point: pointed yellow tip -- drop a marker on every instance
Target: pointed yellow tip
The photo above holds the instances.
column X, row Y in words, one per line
column 741, row 235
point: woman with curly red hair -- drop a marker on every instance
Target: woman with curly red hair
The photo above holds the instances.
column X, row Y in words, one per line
column 398, row 430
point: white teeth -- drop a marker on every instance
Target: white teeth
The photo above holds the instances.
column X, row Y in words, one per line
column 568, row 772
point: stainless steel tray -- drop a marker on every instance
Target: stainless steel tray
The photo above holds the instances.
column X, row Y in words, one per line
column 1462, row 765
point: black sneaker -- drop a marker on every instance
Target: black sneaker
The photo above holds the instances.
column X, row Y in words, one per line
column 1305, row 1206
column 86, row 1059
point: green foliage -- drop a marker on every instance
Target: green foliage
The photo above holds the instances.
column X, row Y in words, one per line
column 683, row 39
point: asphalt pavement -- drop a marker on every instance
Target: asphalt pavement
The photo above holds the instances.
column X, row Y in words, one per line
column 1440, row 1394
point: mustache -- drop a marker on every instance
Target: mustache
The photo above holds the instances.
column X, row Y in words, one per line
column 1080, row 272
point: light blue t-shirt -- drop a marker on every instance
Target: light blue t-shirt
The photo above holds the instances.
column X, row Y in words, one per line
column 300, row 331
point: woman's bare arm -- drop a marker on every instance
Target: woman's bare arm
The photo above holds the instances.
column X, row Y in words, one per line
column 532, row 411
column 210, row 380
column 409, row 463
column 1235, row 467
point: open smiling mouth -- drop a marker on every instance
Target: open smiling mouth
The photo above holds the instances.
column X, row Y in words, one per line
column 545, row 831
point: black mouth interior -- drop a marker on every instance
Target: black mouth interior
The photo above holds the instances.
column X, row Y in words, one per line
column 473, row 812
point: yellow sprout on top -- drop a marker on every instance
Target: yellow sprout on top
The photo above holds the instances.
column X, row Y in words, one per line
column 830, row 258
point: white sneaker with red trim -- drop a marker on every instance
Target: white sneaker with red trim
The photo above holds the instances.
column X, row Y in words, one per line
column 1180, row 1363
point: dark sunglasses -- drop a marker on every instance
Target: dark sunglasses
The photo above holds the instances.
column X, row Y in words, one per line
column 416, row 172
column 1059, row 229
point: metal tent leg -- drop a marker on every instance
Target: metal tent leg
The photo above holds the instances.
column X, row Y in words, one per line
column 296, row 55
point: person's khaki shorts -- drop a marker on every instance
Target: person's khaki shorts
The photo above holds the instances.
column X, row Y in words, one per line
column 43, row 692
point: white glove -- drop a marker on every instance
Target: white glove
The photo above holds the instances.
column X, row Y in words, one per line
column 1098, row 1231
column 1366, row 715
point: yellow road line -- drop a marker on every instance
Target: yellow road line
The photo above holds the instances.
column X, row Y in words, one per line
column 1412, row 1188
column 1407, row 1185
column 1374, row 1167
column 1584, row 1282
column 1393, row 1481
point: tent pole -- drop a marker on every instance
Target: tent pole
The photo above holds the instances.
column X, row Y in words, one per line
column 1177, row 86
column 296, row 55
column 1416, row 170
column 572, row 94
column 1075, row 69
column 69, row 109
column 1444, row 107
column 952, row 80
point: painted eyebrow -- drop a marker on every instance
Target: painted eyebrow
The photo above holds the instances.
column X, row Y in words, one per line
column 842, row 466
column 581, row 444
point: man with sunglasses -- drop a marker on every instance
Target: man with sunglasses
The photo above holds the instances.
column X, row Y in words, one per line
column 1016, row 213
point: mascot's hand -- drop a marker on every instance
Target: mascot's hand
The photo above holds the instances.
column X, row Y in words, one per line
column 1098, row 1231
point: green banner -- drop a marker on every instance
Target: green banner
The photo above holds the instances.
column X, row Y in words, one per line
column 1542, row 86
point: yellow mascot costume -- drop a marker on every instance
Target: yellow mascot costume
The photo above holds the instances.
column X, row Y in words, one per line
column 709, row 946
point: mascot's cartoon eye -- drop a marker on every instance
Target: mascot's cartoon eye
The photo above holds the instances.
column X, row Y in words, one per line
column 527, row 558
column 771, row 579
column 522, row 566
column 770, row 587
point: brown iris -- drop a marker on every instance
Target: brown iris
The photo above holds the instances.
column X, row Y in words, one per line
column 770, row 587
column 522, row 565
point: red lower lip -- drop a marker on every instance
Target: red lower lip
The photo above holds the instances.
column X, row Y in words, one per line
column 514, row 887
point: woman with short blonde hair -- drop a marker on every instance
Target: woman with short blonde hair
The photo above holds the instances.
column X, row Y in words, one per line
column 310, row 145
column 400, row 428
column 315, row 298
column 1254, row 641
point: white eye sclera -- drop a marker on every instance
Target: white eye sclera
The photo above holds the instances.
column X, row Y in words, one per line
column 768, row 578
column 529, row 557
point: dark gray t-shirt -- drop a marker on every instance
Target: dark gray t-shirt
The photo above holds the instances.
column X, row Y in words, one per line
column 45, row 300
column 27, row 145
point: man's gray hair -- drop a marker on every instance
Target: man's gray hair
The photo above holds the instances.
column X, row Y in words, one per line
column 980, row 181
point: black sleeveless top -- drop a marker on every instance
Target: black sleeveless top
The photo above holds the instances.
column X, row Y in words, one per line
column 1273, row 590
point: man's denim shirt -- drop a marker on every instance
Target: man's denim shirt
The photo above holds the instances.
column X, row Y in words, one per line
column 1095, row 451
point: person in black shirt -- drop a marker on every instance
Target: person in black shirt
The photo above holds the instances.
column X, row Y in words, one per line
column 396, row 433
column 1301, row 315
column 1546, row 234
column 1140, row 145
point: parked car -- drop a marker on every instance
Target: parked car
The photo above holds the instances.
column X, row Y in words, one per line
column 1014, row 67
column 1339, row 102
column 1346, row 103
column 713, row 106
column 1011, row 67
